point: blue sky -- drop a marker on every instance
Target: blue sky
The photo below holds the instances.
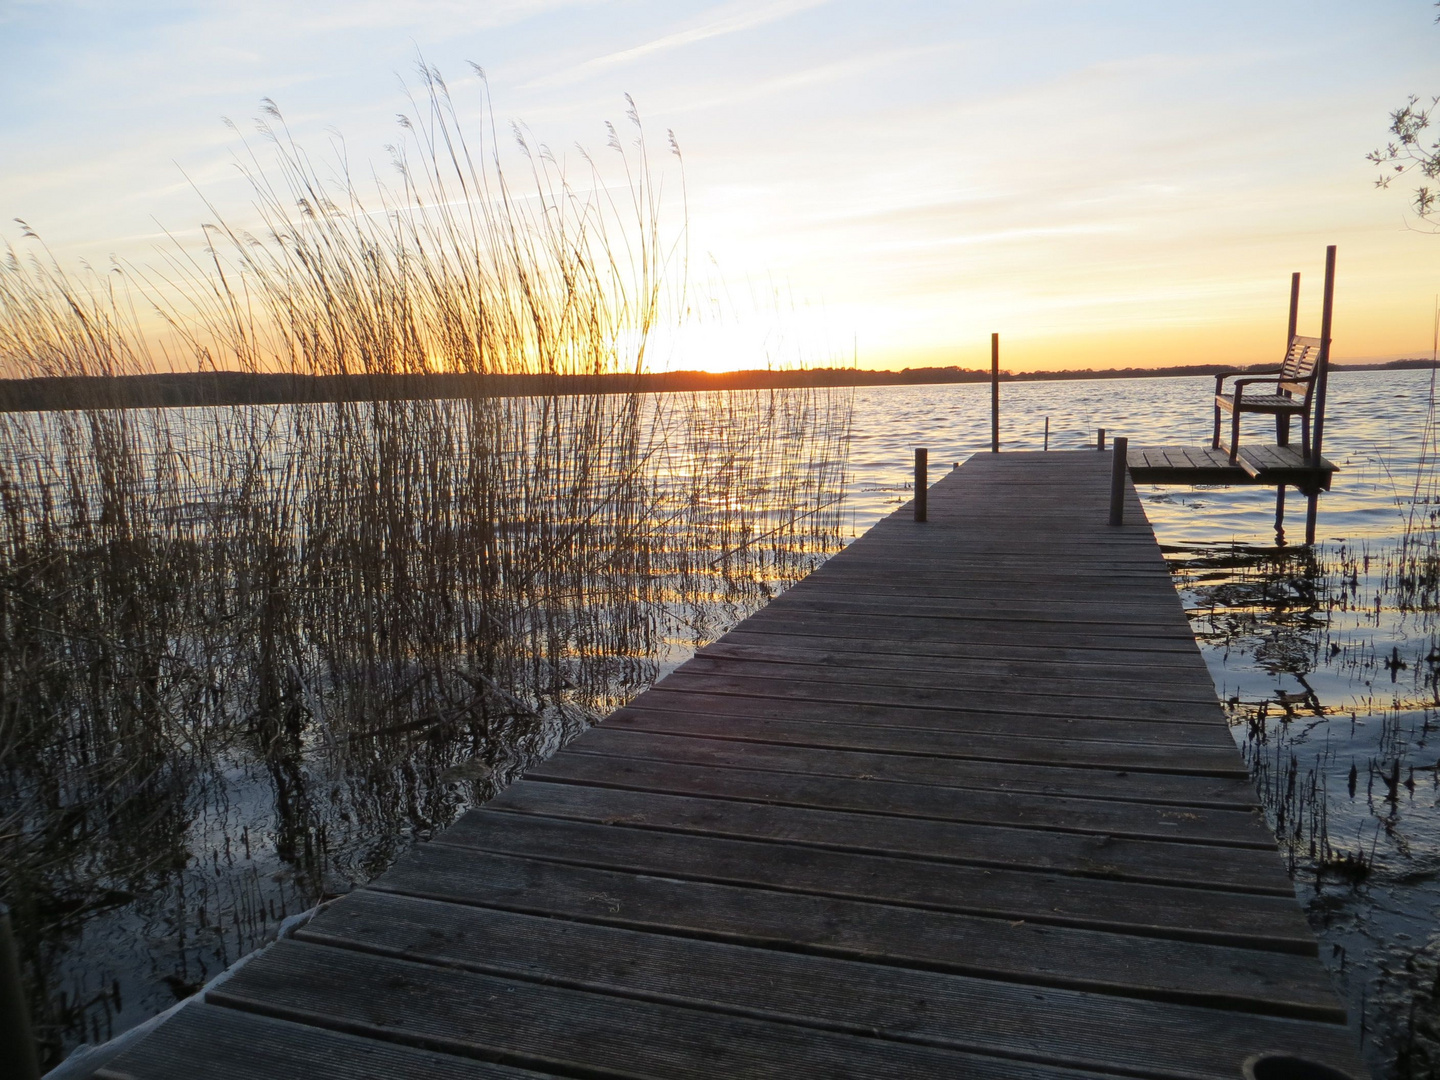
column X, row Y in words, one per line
column 1103, row 183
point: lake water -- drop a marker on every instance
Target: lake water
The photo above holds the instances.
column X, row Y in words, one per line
column 1326, row 659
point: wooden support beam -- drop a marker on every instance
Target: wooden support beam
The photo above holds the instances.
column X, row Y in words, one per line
column 922, row 482
column 1117, row 480
column 994, row 393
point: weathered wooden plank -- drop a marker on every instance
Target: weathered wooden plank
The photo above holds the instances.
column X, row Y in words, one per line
column 1147, row 665
column 1064, row 603
column 970, row 538
column 1160, row 789
column 1014, row 950
column 982, row 719
column 1086, row 855
column 1112, row 820
column 1173, row 682
column 1137, row 587
column 836, row 602
column 870, row 627
column 1084, row 569
column 1073, row 605
column 1185, row 914
column 1202, row 458
column 994, row 592
column 1173, row 717
column 1015, row 749
column 572, row 1032
column 1052, row 1027
column 227, row 1044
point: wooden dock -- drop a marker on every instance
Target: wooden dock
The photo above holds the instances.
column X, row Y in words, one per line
column 960, row 804
column 1256, row 463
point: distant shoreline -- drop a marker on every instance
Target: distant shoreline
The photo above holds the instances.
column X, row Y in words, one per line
column 219, row 388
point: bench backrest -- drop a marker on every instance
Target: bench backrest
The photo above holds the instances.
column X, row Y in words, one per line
column 1297, row 374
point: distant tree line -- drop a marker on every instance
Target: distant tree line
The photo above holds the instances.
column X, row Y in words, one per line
column 224, row 388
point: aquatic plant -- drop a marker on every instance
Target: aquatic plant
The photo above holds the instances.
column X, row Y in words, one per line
column 247, row 654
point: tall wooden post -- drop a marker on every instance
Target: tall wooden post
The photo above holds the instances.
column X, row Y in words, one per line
column 1322, row 365
column 1047, row 433
column 994, row 393
column 1294, row 307
column 922, row 483
column 1117, row 480
column 1322, row 381
column 1282, row 420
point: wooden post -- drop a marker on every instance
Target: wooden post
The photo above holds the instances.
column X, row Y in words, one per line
column 1280, row 515
column 922, row 484
column 1047, row 433
column 1282, row 420
column 1322, row 380
column 1294, row 308
column 1322, row 365
column 1100, row 439
column 1117, row 480
column 17, row 1047
column 994, row 393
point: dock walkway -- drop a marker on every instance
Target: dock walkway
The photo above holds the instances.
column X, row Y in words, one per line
column 962, row 803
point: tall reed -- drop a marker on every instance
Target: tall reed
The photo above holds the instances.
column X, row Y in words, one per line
column 248, row 654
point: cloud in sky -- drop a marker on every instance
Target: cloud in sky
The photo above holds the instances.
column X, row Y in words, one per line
column 1112, row 180
column 730, row 19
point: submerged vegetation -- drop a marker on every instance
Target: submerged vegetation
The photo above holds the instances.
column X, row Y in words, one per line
column 249, row 653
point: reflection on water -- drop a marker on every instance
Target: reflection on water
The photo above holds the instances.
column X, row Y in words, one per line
column 1328, row 665
column 249, row 655
column 1327, row 659
column 253, row 674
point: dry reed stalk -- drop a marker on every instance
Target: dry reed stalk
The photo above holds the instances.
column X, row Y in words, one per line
column 374, row 613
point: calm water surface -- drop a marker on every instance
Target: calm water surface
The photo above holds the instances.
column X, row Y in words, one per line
column 1326, row 659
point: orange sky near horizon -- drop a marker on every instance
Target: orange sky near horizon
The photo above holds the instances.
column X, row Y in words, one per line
column 1105, row 184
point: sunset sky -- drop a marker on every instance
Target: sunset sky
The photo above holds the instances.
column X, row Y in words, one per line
column 1104, row 183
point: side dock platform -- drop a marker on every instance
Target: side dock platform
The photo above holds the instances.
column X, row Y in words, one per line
column 1257, row 463
column 962, row 803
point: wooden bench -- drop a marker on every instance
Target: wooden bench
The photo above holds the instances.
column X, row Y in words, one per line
column 1293, row 389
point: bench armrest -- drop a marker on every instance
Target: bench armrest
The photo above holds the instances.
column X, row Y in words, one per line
column 1222, row 376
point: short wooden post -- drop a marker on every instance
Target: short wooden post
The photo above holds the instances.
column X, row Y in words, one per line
column 1280, row 515
column 1047, row 433
column 1312, row 514
column 17, row 1046
column 1100, row 439
column 994, row 393
column 922, row 484
column 1117, row 480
